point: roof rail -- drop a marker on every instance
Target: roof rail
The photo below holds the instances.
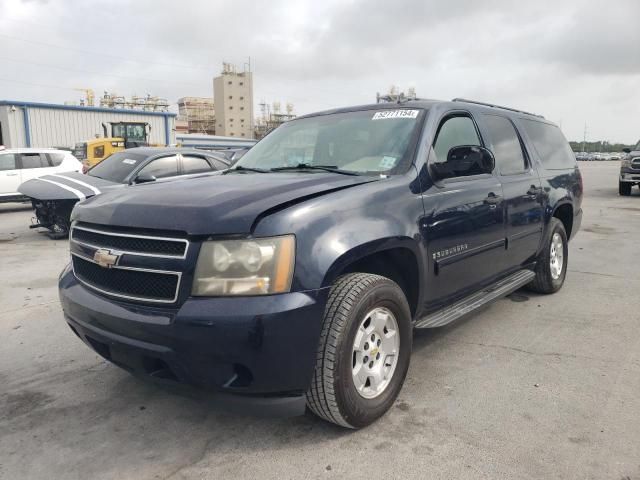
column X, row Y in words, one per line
column 475, row 102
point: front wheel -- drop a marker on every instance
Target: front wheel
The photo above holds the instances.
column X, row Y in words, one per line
column 624, row 188
column 364, row 351
column 551, row 266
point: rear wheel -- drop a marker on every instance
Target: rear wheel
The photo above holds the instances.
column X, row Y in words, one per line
column 551, row 266
column 624, row 188
column 364, row 351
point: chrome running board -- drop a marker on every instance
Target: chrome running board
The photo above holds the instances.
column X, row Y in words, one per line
column 476, row 300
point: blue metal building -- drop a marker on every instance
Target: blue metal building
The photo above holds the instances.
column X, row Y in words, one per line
column 30, row 124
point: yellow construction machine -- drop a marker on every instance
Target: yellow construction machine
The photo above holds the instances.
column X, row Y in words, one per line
column 123, row 135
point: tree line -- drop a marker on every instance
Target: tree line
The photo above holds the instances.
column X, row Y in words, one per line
column 599, row 146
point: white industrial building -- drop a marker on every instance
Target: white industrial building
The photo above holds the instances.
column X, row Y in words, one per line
column 233, row 100
column 28, row 124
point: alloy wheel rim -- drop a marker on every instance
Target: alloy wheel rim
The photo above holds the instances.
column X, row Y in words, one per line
column 556, row 257
column 376, row 347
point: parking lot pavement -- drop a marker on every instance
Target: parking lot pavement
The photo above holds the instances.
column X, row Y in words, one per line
column 531, row 387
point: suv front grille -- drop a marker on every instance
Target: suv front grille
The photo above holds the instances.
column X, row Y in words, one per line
column 136, row 263
column 127, row 282
column 130, row 243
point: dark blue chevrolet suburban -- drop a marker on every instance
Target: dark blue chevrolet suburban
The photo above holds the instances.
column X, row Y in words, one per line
column 296, row 278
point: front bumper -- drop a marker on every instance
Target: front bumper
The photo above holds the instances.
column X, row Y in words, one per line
column 630, row 176
column 263, row 348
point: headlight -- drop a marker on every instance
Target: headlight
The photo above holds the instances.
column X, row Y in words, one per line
column 626, row 161
column 245, row 267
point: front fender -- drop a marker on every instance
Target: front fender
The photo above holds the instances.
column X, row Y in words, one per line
column 358, row 252
column 337, row 229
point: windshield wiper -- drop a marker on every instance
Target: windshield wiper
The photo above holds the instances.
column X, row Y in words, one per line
column 308, row 166
column 240, row 168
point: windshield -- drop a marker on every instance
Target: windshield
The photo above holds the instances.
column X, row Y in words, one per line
column 638, row 146
column 368, row 142
column 117, row 167
column 130, row 132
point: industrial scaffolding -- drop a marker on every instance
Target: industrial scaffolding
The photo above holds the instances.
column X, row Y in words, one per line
column 271, row 117
column 199, row 114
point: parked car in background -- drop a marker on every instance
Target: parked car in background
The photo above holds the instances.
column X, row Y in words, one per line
column 18, row 165
column 233, row 154
column 54, row 196
column 629, row 170
column 298, row 276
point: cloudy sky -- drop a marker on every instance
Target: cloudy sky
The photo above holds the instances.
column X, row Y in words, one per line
column 575, row 61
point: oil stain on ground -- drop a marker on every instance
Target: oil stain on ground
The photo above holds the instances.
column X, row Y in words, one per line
column 595, row 228
column 21, row 403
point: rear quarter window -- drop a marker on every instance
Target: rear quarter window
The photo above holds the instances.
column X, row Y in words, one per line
column 549, row 142
column 56, row 158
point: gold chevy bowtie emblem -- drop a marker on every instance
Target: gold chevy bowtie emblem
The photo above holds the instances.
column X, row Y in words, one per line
column 105, row 258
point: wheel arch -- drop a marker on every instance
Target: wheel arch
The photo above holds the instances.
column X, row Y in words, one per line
column 397, row 259
column 563, row 211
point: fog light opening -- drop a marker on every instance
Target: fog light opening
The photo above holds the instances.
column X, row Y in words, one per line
column 243, row 377
column 154, row 367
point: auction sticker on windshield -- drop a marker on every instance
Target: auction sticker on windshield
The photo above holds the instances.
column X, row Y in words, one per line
column 384, row 114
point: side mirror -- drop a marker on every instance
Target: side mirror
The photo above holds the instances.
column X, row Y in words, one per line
column 464, row 161
column 144, row 177
column 626, row 150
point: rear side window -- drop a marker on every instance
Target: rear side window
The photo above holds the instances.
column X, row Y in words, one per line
column 7, row 161
column 34, row 160
column 56, row 158
column 162, row 167
column 191, row 164
column 553, row 149
column 455, row 132
column 506, row 145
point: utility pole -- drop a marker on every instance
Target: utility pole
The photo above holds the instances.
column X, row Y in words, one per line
column 584, row 138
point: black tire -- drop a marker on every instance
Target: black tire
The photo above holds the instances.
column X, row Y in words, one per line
column 624, row 188
column 544, row 281
column 333, row 395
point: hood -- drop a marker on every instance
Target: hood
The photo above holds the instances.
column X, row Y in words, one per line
column 211, row 205
column 65, row 186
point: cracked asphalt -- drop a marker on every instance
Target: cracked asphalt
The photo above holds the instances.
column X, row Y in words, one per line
column 531, row 387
